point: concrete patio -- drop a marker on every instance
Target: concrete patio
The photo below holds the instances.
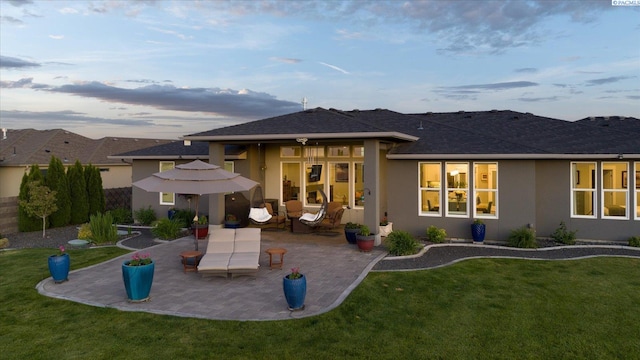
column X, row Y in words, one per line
column 332, row 266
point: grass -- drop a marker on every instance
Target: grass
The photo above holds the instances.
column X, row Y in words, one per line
column 487, row 308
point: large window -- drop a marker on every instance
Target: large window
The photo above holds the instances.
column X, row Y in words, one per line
column 430, row 180
column 291, row 181
column 358, row 184
column 615, row 190
column 457, row 189
column 485, row 189
column 339, row 182
column 636, row 184
column 583, row 189
column 167, row 198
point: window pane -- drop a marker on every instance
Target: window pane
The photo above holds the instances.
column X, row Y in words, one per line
column 358, row 181
column 167, row 198
column 457, row 188
column 636, row 182
column 313, row 152
column 430, row 187
column 339, row 182
column 358, row 151
column 290, row 151
column 290, row 181
column 338, row 151
column 614, row 176
column 314, row 178
column 583, row 203
column 486, row 189
column 615, row 189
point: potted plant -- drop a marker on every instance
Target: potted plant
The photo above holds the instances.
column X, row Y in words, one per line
column 200, row 227
column 350, row 232
column 231, row 221
column 295, row 289
column 477, row 231
column 365, row 239
column 59, row 266
column 137, row 274
column 386, row 227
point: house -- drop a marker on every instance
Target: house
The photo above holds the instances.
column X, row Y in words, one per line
column 21, row 148
column 509, row 169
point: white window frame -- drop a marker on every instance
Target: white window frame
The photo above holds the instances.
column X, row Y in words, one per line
column 573, row 189
column 614, row 190
column 427, row 188
column 354, row 164
column 173, row 195
column 447, row 189
column 483, row 190
column 635, row 182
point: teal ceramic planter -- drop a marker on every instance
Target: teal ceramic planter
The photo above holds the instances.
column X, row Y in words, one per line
column 59, row 267
column 295, row 290
column 138, row 281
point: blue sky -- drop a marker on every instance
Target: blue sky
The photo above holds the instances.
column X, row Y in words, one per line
column 164, row 69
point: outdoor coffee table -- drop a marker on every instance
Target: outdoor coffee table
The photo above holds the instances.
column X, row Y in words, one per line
column 190, row 260
column 276, row 251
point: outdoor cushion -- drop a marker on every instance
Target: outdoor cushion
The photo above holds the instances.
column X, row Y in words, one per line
column 240, row 261
column 247, row 234
column 246, row 246
column 214, row 262
column 260, row 215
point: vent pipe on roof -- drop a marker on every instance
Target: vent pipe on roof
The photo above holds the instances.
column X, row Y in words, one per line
column 304, row 103
column 4, row 133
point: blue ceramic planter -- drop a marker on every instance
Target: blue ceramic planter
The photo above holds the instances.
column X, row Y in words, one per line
column 59, row 267
column 295, row 291
column 477, row 232
column 137, row 281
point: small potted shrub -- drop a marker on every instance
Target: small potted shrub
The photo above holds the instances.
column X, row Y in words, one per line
column 350, row 231
column 386, row 227
column 200, row 227
column 365, row 239
column 477, row 231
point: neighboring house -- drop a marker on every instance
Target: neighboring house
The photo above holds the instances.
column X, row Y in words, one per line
column 507, row 168
column 20, row 149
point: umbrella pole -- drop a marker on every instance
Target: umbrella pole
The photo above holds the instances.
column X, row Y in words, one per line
column 195, row 220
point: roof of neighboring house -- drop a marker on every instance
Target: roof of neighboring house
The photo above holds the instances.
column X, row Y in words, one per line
column 30, row 146
column 492, row 133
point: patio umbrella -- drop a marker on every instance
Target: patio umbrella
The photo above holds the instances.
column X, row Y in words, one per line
column 196, row 178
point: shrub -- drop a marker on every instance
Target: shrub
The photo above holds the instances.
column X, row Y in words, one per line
column 184, row 217
column 562, row 235
column 102, row 228
column 145, row 216
column 634, row 241
column 85, row 232
column 402, row 243
column 364, row 230
column 121, row 216
column 436, row 235
column 166, row 229
column 352, row 225
column 523, row 237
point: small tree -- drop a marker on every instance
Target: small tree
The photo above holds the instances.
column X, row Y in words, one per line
column 95, row 192
column 41, row 203
column 27, row 222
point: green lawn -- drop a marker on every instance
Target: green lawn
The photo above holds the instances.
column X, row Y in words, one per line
column 489, row 308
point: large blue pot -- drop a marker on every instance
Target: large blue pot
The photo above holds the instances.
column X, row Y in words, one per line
column 477, row 232
column 137, row 280
column 295, row 291
column 59, row 267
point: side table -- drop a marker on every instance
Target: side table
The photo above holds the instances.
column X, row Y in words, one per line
column 190, row 260
column 276, row 251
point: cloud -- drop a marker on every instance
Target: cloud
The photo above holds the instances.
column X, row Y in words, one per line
column 496, row 86
column 57, row 37
column 227, row 102
column 11, row 20
column 608, row 80
column 333, row 67
column 286, row 60
column 66, row 117
column 24, row 83
column 540, row 99
column 11, row 62
column 526, row 70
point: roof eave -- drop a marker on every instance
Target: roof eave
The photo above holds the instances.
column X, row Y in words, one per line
column 314, row 136
column 512, row 156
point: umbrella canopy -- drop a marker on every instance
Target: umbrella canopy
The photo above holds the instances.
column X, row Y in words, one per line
column 196, row 178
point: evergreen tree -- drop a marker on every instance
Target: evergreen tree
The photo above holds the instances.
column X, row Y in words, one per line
column 95, row 192
column 56, row 181
column 78, row 194
column 28, row 222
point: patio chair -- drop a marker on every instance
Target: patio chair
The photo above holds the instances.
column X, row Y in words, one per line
column 333, row 218
column 262, row 213
column 313, row 220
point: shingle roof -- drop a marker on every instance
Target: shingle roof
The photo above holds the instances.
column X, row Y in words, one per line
column 177, row 149
column 30, row 146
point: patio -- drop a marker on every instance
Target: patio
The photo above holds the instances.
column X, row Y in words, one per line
column 332, row 266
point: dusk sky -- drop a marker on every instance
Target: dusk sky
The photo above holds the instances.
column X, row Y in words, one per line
column 164, row 69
